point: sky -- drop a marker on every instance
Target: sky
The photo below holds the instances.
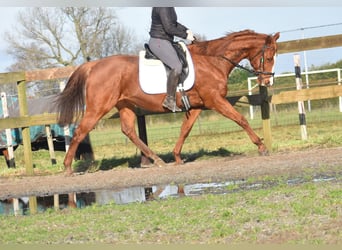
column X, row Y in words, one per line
column 295, row 22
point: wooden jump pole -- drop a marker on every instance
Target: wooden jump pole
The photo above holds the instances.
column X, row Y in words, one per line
column 301, row 108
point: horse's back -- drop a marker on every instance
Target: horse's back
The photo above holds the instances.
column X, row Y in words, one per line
column 118, row 61
column 118, row 73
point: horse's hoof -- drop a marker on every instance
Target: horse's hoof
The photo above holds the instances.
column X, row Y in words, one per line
column 159, row 163
column 180, row 162
column 68, row 172
column 264, row 153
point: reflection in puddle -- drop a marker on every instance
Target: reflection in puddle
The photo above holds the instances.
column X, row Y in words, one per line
column 128, row 195
column 138, row 194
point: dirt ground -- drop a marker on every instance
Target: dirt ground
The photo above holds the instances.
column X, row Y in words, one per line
column 291, row 164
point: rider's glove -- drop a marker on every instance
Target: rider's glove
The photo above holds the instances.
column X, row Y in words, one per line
column 190, row 36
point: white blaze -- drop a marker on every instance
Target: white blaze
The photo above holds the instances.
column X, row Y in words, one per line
column 274, row 63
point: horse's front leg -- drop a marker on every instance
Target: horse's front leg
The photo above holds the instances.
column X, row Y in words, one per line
column 127, row 119
column 187, row 125
column 225, row 108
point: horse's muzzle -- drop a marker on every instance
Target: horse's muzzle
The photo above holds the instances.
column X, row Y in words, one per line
column 265, row 81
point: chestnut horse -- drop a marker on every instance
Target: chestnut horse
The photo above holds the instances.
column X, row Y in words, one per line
column 113, row 82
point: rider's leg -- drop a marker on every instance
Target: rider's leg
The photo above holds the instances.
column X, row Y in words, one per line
column 164, row 50
column 170, row 100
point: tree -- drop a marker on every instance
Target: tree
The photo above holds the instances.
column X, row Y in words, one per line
column 238, row 75
column 48, row 37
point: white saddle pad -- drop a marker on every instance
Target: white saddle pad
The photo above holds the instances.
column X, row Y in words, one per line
column 152, row 74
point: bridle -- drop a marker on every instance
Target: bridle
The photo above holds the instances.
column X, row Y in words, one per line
column 252, row 71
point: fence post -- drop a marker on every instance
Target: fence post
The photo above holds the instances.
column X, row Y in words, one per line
column 10, row 160
column 301, row 108
column 50, row 144
column 265, row 115
column 16, row 208
column 23, row 111
column 56, row 201
column 143, row 136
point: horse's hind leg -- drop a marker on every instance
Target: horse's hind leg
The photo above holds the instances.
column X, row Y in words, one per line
column 127, row 119
column 87, row 123
column 187, row 125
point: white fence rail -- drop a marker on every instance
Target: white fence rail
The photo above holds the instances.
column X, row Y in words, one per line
column 337, row 70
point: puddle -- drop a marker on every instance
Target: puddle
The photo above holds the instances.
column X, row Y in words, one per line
column 142, row 194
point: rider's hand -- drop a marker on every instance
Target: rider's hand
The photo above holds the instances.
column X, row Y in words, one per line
column 190, row 36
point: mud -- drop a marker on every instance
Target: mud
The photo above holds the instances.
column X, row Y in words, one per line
column 327, row 161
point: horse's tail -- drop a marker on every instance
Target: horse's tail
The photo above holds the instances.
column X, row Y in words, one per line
column 71, row 101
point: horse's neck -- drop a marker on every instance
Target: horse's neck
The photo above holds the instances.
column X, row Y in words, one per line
column 235, row 49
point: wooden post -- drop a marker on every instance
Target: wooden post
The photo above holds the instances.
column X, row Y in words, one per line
column 265, row 115
column 143, row 136
column 301, row 108
column 23, row 111
column 10, row 160
column 56, row 201
column 50, row 144
column 16, row 206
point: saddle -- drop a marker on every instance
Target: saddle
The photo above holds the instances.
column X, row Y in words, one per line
column 181, row 55
column 153, row 73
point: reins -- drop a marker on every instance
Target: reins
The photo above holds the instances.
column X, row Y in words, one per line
column 252, row 71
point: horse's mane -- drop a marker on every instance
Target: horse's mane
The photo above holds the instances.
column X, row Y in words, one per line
column 201, row 46
column 234, row 34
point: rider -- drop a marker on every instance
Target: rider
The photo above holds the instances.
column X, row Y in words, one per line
column 163, row 29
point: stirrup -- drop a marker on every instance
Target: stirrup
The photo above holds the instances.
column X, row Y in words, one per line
column 184, row 98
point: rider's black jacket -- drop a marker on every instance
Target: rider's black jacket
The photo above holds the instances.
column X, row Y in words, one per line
column 164, row 24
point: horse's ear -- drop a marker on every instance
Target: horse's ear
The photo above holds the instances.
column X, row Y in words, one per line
column 276, row 36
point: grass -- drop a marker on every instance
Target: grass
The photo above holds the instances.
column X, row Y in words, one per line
column 307, row 213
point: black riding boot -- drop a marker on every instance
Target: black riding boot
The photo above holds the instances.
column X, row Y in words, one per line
column 170, row 100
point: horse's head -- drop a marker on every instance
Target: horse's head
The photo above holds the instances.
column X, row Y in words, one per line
column 259, row 49
column 263, row 59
